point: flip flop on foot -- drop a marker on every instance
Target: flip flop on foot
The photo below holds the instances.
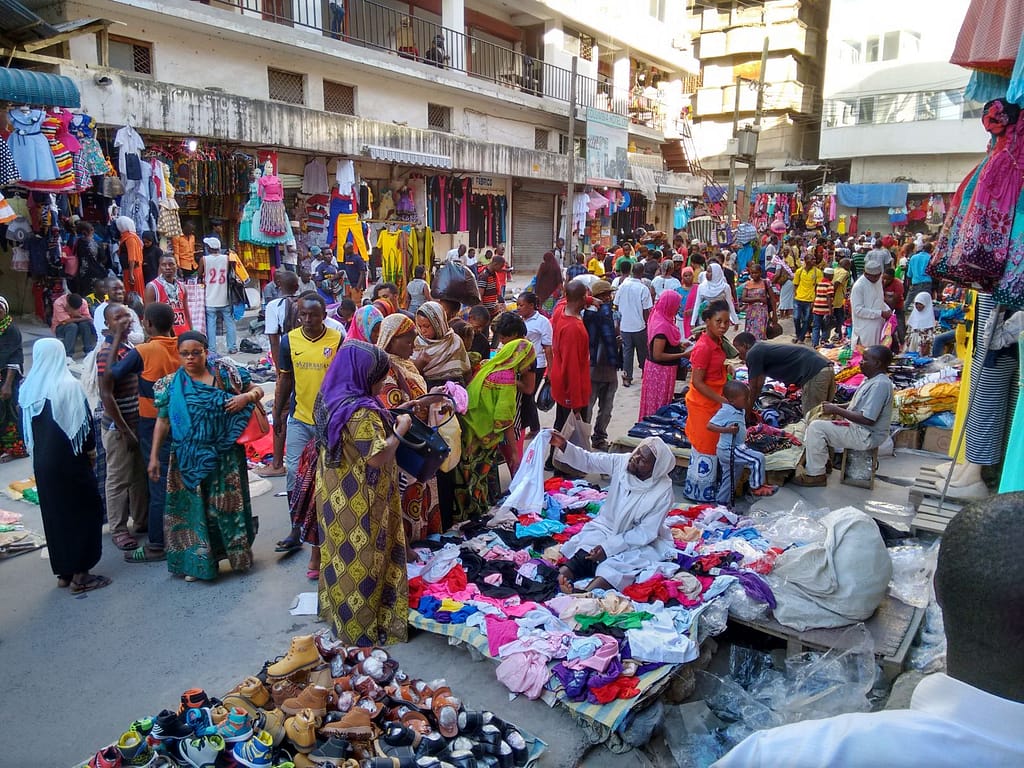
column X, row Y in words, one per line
column 765, row 490
column 271, row 472
column 288, row 544
column 144, row 554
column 92, row 582
column 313, row 574
column 125, row 541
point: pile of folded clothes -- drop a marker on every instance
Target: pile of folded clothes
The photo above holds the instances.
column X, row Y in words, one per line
column 778, row 410
column 668, row 423
column 768, row 439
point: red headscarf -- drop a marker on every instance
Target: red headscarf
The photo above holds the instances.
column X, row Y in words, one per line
column 663, row 318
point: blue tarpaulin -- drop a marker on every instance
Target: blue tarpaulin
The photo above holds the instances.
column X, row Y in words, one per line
column 872, row 195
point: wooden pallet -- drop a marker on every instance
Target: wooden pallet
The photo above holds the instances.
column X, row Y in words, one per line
column 924, row 498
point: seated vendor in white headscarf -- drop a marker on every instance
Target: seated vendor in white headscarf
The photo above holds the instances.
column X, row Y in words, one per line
column 629, row 535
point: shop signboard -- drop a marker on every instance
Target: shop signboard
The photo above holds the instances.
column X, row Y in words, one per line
column 607, row 143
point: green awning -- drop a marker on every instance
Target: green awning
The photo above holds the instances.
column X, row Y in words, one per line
column 24, row 86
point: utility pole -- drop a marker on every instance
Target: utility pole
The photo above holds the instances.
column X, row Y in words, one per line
column 749, row 188
column 730, row 201
column 570, row 187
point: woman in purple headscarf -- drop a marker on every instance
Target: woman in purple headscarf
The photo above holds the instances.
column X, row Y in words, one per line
column 364, row 592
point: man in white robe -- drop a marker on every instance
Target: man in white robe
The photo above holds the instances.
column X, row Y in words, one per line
column 867, row 305
column 629, row 535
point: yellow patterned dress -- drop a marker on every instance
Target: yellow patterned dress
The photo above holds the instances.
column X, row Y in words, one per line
column 364, row 591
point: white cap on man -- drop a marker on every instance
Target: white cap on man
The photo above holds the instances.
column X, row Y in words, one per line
column 213, row 243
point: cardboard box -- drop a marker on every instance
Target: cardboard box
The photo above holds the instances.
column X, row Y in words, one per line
column 907, row 438
column 938, row 440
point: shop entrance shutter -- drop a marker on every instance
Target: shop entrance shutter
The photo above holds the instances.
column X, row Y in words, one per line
column 532, row 230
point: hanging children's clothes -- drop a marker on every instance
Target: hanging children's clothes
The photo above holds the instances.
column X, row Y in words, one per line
column 129, row 146
column 8, row 168
column 83, row 127
column 65, row 181
column 29, row 147
column 345, row 175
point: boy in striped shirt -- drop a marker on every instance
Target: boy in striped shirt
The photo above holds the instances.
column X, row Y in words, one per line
column 824, row 293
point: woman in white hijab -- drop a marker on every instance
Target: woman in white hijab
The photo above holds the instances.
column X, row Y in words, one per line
column 60, row 438
column 714, row 287
column 629, row 535
column 921, row 325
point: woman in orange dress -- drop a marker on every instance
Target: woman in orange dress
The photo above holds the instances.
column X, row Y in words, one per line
column 707, row 361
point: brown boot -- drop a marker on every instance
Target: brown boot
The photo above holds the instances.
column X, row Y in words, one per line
column 249, row 695
column 283, row 690
column 356, row 724
column 301, row 655
column 313, row 697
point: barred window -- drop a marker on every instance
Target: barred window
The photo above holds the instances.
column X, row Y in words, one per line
column 131, row 55
column 541, row 137
column 289, row 87
column 339, row 98
column 439, row 117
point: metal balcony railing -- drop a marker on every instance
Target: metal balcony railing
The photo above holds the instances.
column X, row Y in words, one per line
column 371, row 25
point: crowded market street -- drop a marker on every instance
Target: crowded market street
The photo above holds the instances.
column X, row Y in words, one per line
column 465, row 384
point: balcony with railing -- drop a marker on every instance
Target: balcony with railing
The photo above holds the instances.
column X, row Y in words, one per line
column 371, row 25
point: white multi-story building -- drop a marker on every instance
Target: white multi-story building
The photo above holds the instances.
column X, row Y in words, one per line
column 476, row 88
column 894, row 107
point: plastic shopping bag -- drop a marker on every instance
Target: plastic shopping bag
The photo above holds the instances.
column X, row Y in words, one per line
column 526, row 492
column 701, row 477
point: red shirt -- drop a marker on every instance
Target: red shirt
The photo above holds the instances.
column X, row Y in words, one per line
column 569, row 365
column 893, row 293
column 710, row 357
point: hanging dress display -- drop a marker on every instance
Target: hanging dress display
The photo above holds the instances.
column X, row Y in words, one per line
column 29, row 147
column 53, row 130
column 83, row 128
column 273, row 217
column 8, row 168
column 993, row 375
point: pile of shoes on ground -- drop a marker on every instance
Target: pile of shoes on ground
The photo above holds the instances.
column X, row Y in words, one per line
column 321, row 704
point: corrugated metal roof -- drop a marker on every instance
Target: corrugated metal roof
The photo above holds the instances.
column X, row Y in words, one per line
column 18, row 24
column 23, row 86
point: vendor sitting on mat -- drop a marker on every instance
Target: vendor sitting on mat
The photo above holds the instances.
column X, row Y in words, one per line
column 629, row 534
column 862, row 426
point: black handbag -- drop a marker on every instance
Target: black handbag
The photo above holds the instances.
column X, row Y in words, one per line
column 421, row 450
column 545, row 400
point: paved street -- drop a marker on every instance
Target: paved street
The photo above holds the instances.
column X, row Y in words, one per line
column 99, row 661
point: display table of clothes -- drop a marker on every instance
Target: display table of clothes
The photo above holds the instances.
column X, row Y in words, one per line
column 493, row 586
column 322, row 703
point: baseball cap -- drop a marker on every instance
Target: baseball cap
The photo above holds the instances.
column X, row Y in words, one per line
column 213, row 243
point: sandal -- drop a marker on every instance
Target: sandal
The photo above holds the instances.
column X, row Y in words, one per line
column 446, row 711
column 125, row 541
column 271, row 472
column 63, row 583
column 94, row 582
column 288, row 544
column 145, row 554
column 765, row 490
column 313, row 575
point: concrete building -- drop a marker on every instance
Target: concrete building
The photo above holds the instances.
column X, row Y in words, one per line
column 729, row 39
column 476, row 88
column 894, row 107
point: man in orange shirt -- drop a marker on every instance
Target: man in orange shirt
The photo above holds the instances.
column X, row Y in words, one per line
column 184, row 246
column 569, row 367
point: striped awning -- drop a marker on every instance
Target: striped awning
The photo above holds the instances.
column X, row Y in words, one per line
column 24, row 86
column 391, row 155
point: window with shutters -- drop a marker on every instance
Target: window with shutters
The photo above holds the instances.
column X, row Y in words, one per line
column 131, row 55
column 541, row 136
column 289, row 87
column 339, row 98
column 439, row 117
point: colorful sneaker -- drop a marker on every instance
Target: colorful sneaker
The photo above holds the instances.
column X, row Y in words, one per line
column 169, row 727
column 254, row 753
column 193, row 698
column 236, row 728
column 108, row 757
column 142, row 726
column 201, row 752
column 130, row 744
column 200, row 721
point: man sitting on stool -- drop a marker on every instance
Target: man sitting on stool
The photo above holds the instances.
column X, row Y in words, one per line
column 864, row 425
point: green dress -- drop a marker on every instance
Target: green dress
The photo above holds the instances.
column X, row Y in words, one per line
column 208, row 517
